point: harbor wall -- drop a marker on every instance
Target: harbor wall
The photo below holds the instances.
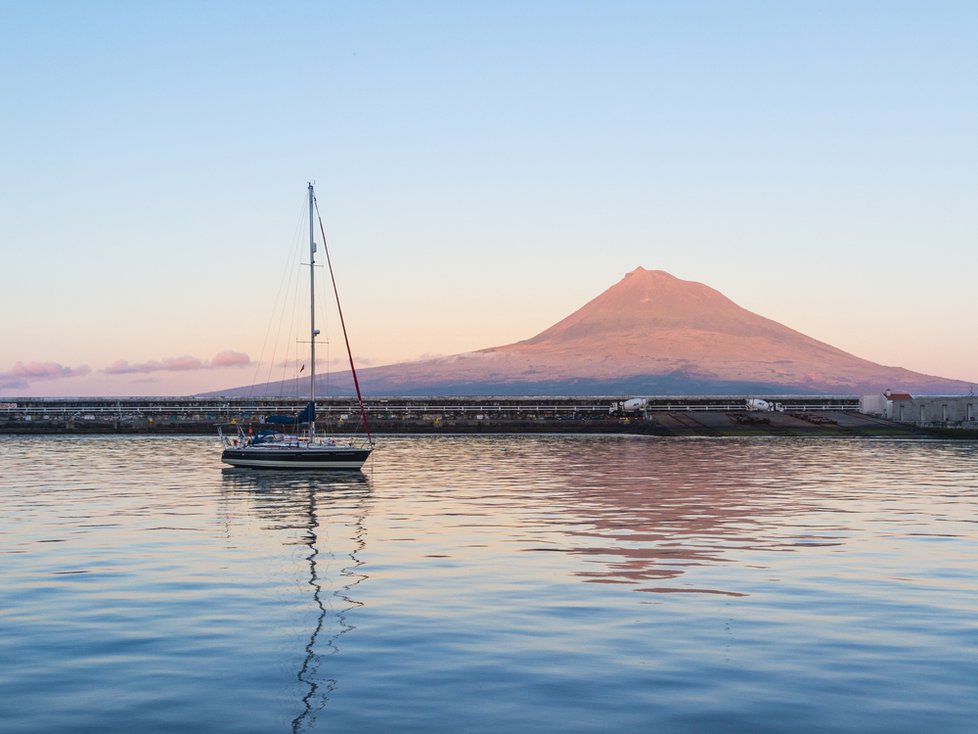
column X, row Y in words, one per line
column 660, row 415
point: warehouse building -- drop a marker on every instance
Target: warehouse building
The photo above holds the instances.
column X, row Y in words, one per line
column 955, row 411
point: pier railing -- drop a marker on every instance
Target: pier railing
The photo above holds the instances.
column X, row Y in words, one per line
column 227, row 410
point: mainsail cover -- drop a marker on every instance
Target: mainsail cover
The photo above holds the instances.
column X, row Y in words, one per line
column 307, row 414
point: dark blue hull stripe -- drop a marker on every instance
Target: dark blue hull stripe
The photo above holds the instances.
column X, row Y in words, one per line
column 300, row 459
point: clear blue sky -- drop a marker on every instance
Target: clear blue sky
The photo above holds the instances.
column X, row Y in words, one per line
column 483, row 168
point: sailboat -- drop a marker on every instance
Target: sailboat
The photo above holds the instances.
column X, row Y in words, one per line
column 277, row 450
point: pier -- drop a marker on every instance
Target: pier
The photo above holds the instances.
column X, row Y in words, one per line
column 717, row 415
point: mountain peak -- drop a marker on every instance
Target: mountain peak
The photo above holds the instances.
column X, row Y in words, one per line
column 649, row 276
column 639, row 270
column 645, row 302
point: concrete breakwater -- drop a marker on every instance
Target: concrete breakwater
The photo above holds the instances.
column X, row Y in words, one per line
column 662, row 416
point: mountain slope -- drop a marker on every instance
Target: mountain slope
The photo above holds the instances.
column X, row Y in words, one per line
column 653, row 333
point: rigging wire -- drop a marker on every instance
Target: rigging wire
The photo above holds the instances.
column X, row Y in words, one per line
column 325, row 322
column 339, row 313
column 280, row 307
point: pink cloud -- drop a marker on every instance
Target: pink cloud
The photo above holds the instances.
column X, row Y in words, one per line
column 23, row 373
column 122, row 367
column 230, row 359
column 182, row 364
column 186, row 363
column 47, row 370
column 167, row 364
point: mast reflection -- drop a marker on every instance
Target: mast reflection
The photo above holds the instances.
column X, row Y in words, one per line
column 297, row 501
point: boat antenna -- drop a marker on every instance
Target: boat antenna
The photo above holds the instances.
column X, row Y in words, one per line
column 339, row 311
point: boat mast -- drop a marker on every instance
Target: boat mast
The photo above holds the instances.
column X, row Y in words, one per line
column 313, row 332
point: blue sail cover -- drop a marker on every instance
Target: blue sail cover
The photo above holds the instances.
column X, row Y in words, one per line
column 307, row 414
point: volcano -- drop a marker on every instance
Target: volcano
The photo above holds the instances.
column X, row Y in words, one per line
column 651, row 333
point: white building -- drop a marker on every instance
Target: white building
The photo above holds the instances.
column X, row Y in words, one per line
column 958, row 411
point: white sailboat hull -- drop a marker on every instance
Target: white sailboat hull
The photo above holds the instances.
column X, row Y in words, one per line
column 271, row 457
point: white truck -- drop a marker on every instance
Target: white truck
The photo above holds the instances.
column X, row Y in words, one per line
column 757, row 404
column 632, row 405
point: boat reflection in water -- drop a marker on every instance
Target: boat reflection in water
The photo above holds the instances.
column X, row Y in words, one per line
column 305, row 505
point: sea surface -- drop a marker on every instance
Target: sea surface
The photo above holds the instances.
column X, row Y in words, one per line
column 491, row 584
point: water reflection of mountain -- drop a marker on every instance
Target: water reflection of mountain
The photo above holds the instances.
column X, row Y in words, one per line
column 652, row 511
column 304, row 503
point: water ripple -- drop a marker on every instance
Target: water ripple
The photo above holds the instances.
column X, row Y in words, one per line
column 480, row 584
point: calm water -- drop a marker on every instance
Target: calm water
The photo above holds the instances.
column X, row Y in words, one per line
column 498, row 584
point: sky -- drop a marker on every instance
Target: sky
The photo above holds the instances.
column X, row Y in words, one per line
column 483, row 170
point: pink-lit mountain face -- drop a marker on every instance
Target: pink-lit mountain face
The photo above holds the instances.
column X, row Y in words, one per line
column 652, row 333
